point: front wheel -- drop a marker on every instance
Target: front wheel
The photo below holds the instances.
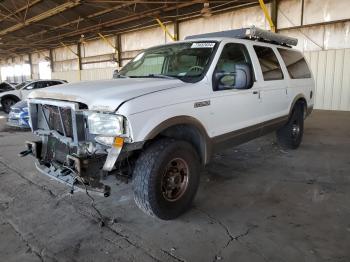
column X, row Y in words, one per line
column 291, row 134
column 166, row 178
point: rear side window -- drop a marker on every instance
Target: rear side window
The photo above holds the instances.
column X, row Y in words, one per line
column 270, row 66
column 53, row 83
column 41, row 84
column 295, row 63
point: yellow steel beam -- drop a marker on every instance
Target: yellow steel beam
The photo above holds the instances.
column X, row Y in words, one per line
column 40, row 53
column 116, row 51
column 70, row 49
column 267, row 15
column 174, row 38
column 42, row 16
column 107, row 41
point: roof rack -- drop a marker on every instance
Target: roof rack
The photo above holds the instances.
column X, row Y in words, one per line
column 252, row 33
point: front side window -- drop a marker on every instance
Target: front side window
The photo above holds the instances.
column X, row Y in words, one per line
column 185, row 61
column 270, row 66
column 295, row 63
column 232, row 54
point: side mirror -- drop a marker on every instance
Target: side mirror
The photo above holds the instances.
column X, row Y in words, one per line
column 240, row 78
column 29, row 87
column 115, row 73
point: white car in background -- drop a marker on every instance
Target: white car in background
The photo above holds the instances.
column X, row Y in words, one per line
column 7, row 86
column 21, row 91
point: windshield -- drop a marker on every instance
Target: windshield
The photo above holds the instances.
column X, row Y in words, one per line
column 19, row 86
column 186, row 61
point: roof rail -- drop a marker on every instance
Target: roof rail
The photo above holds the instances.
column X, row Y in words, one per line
column 252, row 33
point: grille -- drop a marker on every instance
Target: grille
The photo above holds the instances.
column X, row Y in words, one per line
column 56, row 150
column 59, row 119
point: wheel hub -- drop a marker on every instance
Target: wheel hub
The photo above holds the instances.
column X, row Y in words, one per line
column 295, row 130
column 175, row 179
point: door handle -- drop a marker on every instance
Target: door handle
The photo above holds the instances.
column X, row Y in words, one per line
column 257, row 92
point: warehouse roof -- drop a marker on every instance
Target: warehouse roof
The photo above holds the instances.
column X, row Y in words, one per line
column 30, row 25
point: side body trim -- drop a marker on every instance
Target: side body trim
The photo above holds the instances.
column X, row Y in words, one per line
column 213, row 145
column 246, row 134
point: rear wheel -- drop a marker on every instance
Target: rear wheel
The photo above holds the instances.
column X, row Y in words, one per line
column 166, row 178
column 290, row 135
column 6, row 104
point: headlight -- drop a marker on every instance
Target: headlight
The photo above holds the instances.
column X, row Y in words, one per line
column 105, row 124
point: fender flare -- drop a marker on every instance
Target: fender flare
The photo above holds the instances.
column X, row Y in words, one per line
column 206, row 145
column 295, row 100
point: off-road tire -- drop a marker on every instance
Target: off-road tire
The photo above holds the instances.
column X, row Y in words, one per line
column 148, row 174
column 6, row 104
column 291, row 134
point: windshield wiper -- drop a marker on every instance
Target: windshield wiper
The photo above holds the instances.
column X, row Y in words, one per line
column 157, row 76
column 162, row 76
column 121, row 76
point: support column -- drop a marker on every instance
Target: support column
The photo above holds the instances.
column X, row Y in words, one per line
column 31, row 65
column 118, row 45
column 80, row 65
column 274, row 13
column 51, row 60
column 176, row 30
column 302, row 13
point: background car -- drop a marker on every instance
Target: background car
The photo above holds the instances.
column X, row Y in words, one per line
column 6, row 86
column 9, row 98
column 18, row 115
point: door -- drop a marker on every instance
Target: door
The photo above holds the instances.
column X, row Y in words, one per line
column 233, row 110
column 273, row 84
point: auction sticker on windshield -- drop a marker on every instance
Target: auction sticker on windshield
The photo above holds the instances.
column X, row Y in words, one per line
column 202, row 45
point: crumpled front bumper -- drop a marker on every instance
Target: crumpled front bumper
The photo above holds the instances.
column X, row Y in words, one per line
column 79, row 173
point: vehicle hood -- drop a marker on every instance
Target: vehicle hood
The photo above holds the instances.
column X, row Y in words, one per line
column 106, row 95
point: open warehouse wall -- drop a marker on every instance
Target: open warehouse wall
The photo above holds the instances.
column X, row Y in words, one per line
column 322, row 28
column 331, row 69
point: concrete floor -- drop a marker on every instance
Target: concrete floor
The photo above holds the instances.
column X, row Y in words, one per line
column 256, row 202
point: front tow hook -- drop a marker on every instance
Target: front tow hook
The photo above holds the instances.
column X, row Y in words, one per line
column 25, row 152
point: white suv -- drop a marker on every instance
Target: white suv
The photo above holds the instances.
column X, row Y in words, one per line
column 170, row 109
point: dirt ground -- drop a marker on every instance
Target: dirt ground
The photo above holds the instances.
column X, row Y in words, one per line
column 256, row 202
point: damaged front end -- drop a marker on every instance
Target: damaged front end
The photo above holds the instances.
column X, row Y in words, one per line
column 78, row 147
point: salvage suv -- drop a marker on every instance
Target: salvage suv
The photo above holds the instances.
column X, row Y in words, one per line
column 169, row 110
